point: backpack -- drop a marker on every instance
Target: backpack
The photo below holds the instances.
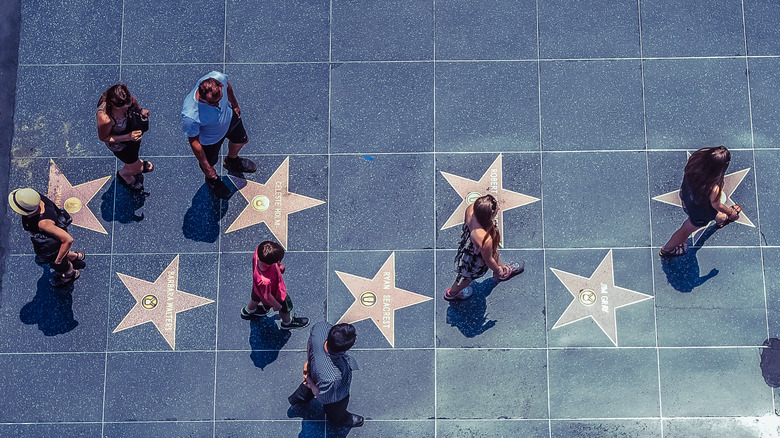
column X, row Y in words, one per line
column 770, row 362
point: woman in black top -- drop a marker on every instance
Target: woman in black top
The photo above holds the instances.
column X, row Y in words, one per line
column 47, row 225
column 700, row 194
column 114, row 128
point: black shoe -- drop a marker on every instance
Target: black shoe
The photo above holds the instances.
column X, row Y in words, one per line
column 239, row 165
column 219, row 188
column 354, row 420
column 295, row 322
column 260, row 312
column 137, row 184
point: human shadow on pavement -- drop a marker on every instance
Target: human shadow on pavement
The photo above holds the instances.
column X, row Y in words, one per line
column 201, row 221
column 120, row 204
column 51, row 309
column 469, row 315
column 266, row 339
column 683, row 272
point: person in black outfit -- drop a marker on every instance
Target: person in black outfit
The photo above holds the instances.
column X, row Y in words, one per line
column 327, row 374
column 700, row 194
column 47, row 225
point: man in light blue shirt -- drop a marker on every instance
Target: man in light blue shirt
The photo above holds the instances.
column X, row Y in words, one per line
column 210, row 115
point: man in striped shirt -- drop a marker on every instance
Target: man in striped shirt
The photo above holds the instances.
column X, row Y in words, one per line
column 327, row 373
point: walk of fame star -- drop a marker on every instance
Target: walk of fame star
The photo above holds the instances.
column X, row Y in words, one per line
column 491, row 183
column 378, row 299
column 159, row 302
column 730, row 183
column 74, row 199
column 596, row 297
column 271, row 203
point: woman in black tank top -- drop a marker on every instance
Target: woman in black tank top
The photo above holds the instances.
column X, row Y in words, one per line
column 48, row 230
column 700, row 194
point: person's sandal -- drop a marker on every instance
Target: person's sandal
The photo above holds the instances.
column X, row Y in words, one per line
column 677, row 251
column 515, row 268
column 59, row 280
column 464, row 294
column 137, row 184
column 147, row 166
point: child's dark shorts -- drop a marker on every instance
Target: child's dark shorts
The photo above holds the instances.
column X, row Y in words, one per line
column 287, row 304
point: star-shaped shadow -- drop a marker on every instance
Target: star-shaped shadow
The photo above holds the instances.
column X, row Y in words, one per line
column 492, row 182
column 271, row 203
column 378, row 298
column 596, row 297
column 730, row 183
column 74, row 199
column 159, row 302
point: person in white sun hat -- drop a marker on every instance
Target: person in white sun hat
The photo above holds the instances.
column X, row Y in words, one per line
column 48, row 228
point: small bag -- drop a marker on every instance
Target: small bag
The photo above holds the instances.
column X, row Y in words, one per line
column 45, row 246
column 770, row 362
column 136, row 121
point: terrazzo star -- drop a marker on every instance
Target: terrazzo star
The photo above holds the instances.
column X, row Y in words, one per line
column 209, row 116
column 596, row 297
column 491, row 183
column 377, row 299
column 159, row 302
column 271, row 203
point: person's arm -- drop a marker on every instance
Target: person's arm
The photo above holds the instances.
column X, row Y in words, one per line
column 490, row 259
column 48, row 226
column 731, row 212
column 144, row 112
column 197, row 149
column 232, row 99
column 104, row 131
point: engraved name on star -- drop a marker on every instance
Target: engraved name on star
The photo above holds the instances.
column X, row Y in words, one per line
column 159, row 302
column 74, row 199
column 271, row 203
column 730, row 183
column 596, row 297
column 492, row 182
column 378, row 298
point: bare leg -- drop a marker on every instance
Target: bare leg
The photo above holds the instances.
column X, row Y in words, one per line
column 459, row 286
column 129, row 172
column 234, row 148
column 680, row 236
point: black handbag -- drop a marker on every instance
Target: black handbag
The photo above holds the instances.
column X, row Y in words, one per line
column 136, row 121
column 46, row 246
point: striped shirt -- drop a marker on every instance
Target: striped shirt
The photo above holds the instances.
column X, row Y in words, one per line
column 331, row 372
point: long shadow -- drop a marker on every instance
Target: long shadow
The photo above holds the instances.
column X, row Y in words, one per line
column 469, row 316
column 683, row 272
column 120, row 204
column 266, row 339
column 201, row 221
column 51, row 308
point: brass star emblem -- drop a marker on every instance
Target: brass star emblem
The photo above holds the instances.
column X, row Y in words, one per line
column 271, row 203
column 159, row 302
column 491, row 183
column 596, row 297
column 74, row 199
column 730, row 184
column 378, row 299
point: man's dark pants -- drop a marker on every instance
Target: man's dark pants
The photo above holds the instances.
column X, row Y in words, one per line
column 335, row 412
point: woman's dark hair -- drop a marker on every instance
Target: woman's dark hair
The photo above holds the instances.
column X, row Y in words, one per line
column 705, row 170
column 485, row 209
column 115, row 97
column 341, row 338
column 270, row 252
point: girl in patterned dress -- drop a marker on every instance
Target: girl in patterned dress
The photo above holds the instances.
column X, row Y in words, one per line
column 478, row 250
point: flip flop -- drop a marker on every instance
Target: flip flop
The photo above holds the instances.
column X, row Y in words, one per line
column 147, row 166
column 515, row 268
column 464, row 294
column 60, row 281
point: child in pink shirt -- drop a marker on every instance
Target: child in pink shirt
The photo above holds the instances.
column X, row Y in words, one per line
column 268, row 288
